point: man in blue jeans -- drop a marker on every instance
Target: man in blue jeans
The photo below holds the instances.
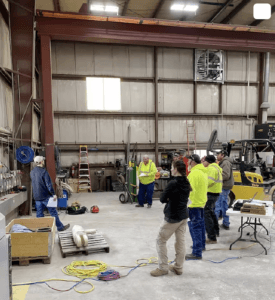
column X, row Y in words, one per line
column 43, row 190
column 198, row 179
column 146, row 173
column 228, row 182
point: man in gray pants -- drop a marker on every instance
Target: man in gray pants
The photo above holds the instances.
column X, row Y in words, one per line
column 228, row 182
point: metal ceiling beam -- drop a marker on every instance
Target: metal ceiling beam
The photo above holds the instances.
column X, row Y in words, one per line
column 216, row 15
column 112, row 31
column 235, row 11
column 125, row 7
column 258, row 22
column 56, row 4
column 159, row 6
column 4, row 12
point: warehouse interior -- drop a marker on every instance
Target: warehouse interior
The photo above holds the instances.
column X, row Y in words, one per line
column 103, row 83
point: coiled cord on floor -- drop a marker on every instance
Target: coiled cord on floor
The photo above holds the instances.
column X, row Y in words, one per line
column 72, row 269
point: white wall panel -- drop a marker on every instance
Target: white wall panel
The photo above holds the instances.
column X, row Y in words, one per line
column 236, row 66
column 121, row 61
column 175, row 98
column 56, row 130
column 271, row 99
column 235, row 97
column 5, row 53
column 175, row 63
column 172, row 130
column 105, row 130
column 207, row 99
column 86, row 129
column 103, row 58
column 141, row 61
column 66, row 95
column 67, row 129
column 65, row 58
column 55, row 94
column 137, row 97
column 84, row 55
column 53, row 57
column 35, row 127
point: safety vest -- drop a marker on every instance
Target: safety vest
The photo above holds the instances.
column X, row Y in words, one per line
column 150, row 170
column 214, row 179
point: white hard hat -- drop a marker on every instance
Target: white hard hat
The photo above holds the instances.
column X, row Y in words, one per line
column 38, row 159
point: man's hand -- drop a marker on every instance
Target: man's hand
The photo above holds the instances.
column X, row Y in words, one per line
column 54, row 198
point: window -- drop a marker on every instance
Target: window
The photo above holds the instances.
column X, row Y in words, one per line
column 103, row 94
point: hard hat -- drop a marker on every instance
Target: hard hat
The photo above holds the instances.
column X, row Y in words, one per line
column 38, row 159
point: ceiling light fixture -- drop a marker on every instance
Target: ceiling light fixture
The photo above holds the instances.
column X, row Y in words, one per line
column 179, row 7
column 191, row 8
column 111, row 9
column 97, row 7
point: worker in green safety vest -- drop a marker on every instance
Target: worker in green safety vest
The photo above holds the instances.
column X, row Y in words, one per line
column 214, row 189
column 146, row 174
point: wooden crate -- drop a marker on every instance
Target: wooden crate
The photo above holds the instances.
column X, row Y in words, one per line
column 32, row 245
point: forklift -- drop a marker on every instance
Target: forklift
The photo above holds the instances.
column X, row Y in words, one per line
column 251, row 173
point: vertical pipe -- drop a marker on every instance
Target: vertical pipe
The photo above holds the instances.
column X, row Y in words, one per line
column 261, row 85
column 48, row 109
column 156, row 105
column 265, row 104
column 195, row 92
column 220, row 99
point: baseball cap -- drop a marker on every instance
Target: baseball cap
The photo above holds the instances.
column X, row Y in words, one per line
column 195, row 158
column 210, row 159
column 38, row 159
column 223, row 152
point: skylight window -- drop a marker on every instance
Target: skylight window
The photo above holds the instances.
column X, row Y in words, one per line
column 177, row 7
column 103, row 94
column 107, row 8
column 183, row 7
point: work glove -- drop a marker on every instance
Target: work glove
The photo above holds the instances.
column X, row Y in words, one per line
column 54, row 198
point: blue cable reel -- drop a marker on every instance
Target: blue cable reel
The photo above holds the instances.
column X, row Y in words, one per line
column 25, row 154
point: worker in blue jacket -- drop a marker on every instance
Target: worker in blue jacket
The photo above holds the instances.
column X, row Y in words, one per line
column 43, row 190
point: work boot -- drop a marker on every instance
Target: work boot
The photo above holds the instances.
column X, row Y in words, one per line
column 65, row 227
column 202, row 249
column 172, row 269
column 149, row 206
column 192, row 256
column 225, row 227
column 139, row 205
column 208, row 241
column 158, row 272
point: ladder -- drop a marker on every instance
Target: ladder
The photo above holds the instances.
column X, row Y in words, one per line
column 191, row 134
column 84, row 178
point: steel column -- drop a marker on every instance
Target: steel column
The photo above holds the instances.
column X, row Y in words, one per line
column 22, row 37
column 48, row 110
column 156, row 107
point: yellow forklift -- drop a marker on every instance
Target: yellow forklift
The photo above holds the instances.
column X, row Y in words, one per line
column 250, row 171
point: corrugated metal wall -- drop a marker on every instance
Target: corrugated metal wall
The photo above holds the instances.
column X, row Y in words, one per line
column 6, row 104
column 174, row 97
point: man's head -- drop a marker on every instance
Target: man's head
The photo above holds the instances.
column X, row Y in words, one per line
column 145, row 159
column 208, row 160
column 39, row 161
column 221, row 155
column 194, row 159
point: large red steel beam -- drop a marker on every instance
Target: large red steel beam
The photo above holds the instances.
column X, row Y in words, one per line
column 48, row 110
column 22, row 37
column 226, row 37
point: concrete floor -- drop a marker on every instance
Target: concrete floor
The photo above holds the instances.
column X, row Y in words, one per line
column 131, row 233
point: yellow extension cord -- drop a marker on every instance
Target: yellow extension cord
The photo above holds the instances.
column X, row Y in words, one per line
column 99, row 266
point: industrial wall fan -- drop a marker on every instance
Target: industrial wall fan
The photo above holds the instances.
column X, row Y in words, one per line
column 209, row 66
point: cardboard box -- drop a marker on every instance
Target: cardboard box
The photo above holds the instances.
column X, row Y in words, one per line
column 33, row 244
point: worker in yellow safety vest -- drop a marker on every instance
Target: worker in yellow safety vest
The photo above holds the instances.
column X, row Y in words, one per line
column 146, row 174
column 214, row 189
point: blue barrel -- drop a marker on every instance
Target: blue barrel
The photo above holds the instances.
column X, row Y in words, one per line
column 63, row 202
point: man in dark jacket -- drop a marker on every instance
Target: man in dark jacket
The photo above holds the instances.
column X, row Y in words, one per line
column 228, row 182
column 43, row 191
column 175, row 211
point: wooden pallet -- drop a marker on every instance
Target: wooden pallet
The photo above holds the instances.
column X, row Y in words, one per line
column 96, row 243
column 25, row 261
